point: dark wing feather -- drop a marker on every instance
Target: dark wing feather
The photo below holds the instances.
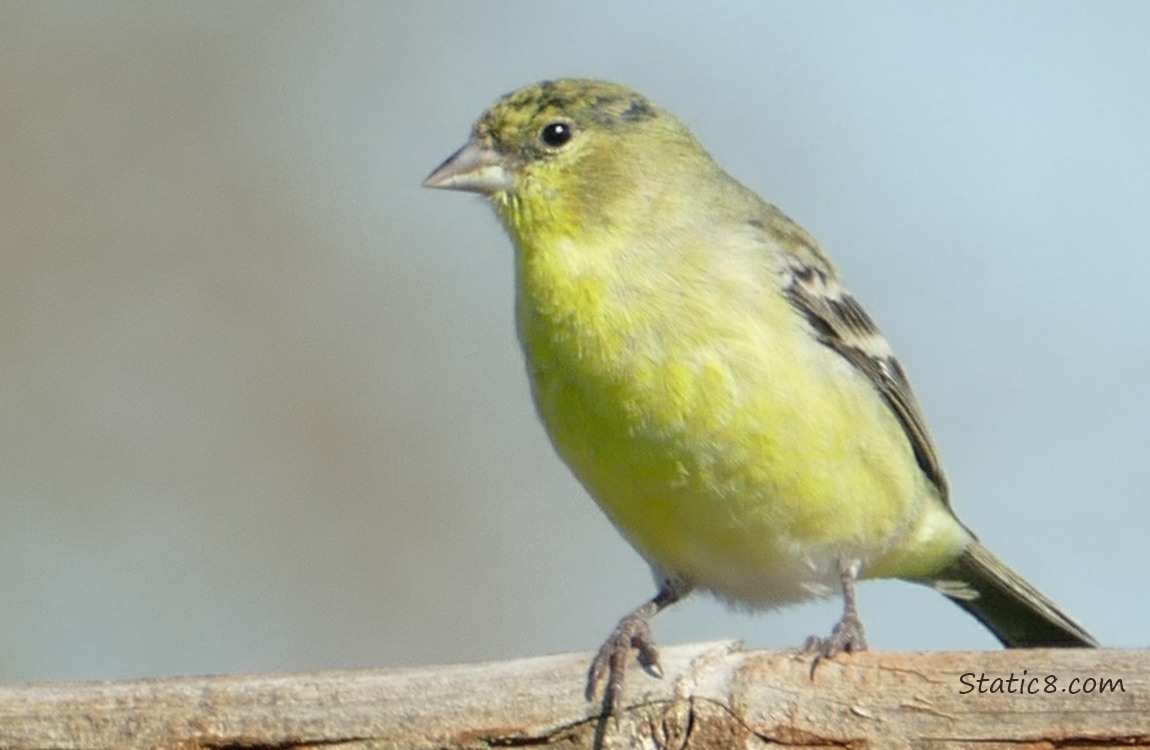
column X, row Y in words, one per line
column 840, row 322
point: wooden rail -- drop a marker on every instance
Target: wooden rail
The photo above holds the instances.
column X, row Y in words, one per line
column 713, row 695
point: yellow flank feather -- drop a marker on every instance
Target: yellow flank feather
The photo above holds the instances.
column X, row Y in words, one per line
column 701, row 368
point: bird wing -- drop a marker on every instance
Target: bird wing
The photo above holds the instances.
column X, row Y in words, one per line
column 812, row 285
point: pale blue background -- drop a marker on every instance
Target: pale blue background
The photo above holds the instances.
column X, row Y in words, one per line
column 261, row 405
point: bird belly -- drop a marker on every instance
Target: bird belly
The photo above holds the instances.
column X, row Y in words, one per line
column 722, row 456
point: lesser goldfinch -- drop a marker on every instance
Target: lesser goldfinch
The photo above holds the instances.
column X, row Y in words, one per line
column 700, row 366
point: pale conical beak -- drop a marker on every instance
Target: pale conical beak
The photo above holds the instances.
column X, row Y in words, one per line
column 474, row 168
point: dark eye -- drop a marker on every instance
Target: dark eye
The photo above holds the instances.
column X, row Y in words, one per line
column 555, row 134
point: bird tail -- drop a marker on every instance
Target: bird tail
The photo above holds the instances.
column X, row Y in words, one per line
column 1016, row 612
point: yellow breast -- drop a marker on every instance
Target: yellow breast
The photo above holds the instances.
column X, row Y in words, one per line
column 725, row 443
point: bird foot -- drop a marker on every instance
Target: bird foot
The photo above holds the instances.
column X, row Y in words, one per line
column 632, row 632
column 848, row 636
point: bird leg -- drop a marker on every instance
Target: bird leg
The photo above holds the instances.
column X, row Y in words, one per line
column 632, row 632
column 848, row 634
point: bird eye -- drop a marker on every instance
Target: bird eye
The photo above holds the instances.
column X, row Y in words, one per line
column 555, row 134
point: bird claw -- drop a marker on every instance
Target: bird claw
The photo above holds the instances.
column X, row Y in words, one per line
column 848, row 637
column 632, row 632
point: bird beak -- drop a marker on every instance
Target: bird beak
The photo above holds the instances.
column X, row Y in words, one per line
column 475, row 168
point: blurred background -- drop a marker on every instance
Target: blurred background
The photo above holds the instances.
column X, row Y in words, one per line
column 261, row 403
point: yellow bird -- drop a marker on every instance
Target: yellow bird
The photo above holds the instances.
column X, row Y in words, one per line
column 700, row 366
